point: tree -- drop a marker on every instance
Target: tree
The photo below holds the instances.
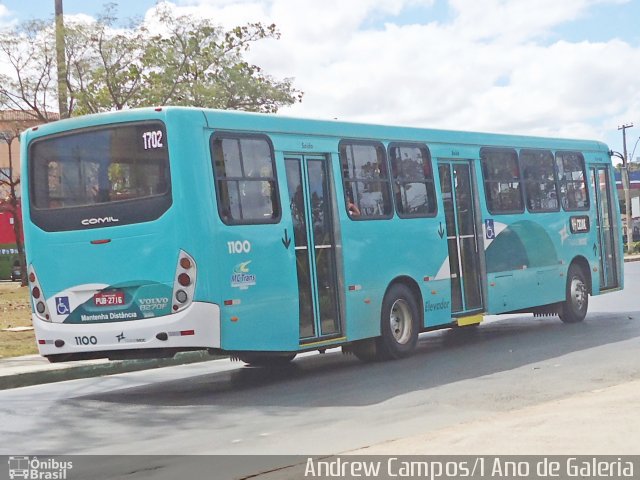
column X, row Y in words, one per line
column 104, row 69
column 30, row 53
column 196, row 63
column 632, row 166
column 185, row 61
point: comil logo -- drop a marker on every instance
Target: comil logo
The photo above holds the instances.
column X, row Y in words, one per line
column 98, row 221
column 38, row 469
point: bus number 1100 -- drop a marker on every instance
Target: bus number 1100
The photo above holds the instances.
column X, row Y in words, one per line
column 239, row 247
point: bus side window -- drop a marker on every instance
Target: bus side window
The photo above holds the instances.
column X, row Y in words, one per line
column 539, row 177
column 501, row 180
column 571, row 173
column 246, row 186
column 412, row 175
column 366, row 180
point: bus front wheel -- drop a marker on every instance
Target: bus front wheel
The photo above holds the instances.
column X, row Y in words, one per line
column 575, row 306
column 399, row 325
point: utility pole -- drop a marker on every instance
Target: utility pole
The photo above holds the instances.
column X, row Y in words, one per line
column 625, row 186
column 62, row 62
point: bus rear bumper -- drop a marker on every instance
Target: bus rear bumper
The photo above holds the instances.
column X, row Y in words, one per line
column 197, row 327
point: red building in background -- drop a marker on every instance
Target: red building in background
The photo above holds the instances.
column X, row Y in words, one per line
column 7, row 236
column 12, row 122
column 8, row 247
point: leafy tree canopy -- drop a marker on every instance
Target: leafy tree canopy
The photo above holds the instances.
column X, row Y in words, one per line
column 184, row 61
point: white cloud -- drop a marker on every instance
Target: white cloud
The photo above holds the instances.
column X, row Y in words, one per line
column 516, row 20
column 6, row 19
column 491, row 67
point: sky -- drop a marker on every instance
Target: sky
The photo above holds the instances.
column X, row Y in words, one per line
column 561, row 68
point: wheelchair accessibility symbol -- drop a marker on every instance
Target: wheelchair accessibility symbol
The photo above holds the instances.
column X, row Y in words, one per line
column 489, row 228
column 62, row 306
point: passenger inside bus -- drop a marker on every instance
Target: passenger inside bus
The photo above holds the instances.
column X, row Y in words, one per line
column 352, row 208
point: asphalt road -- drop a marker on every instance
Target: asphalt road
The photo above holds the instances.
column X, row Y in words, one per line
column 327, row 404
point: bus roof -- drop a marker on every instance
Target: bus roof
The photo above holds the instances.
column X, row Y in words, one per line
column 280, row 124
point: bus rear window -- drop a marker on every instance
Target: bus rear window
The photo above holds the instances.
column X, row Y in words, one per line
column 100, row 168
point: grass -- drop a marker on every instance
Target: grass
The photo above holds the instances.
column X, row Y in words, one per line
column 635, row 247
column 15, row 312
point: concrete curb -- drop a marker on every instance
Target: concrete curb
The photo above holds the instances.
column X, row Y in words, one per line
column 42, row 374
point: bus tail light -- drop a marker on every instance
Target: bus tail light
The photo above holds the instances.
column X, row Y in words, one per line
column 181, row 296
column 184, row 283
column 184, row 279
column 37, row 298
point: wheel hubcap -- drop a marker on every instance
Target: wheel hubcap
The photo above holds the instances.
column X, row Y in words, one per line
column 578, row 293
column 400, row 321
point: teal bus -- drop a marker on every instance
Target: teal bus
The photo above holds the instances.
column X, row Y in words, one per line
column 154, row 231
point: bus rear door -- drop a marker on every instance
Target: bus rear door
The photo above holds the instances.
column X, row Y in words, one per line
column 311, row 202
column 460, row 206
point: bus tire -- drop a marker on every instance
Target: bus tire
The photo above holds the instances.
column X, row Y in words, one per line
column 266, row 359
column 575, row 306
column 399, row 323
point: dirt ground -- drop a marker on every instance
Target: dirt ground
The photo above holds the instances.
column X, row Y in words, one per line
column 15, row 312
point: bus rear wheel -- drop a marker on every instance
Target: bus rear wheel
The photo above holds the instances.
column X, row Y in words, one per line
column 266, row 359
column 399, row 324
column 574, row 308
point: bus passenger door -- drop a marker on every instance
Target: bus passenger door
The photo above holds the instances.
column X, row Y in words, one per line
column 604, row 217
column 460, row 209
column 310, row 194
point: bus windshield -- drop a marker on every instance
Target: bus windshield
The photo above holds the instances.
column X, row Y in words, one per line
column 98, row 173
